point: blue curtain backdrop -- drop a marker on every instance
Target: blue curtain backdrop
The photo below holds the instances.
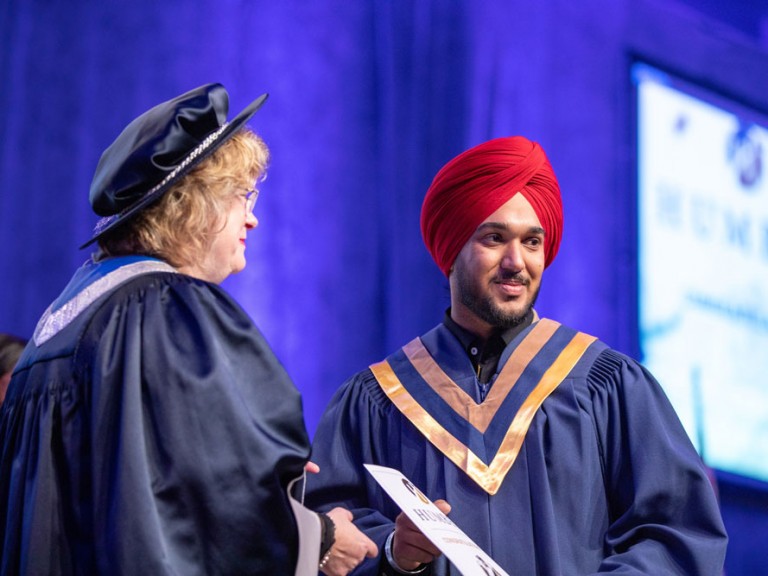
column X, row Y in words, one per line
column 367, row 100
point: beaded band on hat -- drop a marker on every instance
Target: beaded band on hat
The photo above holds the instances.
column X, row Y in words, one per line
column 103, row 223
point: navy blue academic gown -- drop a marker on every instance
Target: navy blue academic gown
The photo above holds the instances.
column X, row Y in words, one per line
column 604, row 479
column 153, row 432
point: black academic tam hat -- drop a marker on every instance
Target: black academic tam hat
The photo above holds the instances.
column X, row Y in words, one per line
column 159, row 148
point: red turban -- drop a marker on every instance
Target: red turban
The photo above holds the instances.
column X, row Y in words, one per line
column 478, row 182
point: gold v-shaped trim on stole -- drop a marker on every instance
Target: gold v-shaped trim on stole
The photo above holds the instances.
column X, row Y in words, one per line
column 488, row 476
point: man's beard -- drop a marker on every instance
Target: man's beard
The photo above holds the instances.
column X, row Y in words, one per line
column 483, row 306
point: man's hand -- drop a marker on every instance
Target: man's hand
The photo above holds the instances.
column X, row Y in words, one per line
column 410, row 548
column 351, row 546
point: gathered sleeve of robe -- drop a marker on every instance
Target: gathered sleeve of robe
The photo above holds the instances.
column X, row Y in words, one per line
column 664, row 515
column 606, row 480
column 156, row 434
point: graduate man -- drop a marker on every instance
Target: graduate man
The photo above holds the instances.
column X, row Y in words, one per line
column 557, row 454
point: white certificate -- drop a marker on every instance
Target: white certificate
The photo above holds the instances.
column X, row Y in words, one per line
column 459, row 548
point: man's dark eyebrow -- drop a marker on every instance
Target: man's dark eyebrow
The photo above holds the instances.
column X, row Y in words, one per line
column 503, row 227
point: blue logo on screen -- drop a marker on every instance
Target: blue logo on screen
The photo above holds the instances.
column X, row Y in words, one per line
column 745, row 153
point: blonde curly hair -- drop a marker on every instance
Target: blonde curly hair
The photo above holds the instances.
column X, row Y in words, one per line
column 181, row 226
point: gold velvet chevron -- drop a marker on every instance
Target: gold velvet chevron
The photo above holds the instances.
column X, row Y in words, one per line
column 490, row 475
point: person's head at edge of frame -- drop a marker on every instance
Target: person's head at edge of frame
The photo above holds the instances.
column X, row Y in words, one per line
column 180, row 183
column 11, row 348
column 492, row 220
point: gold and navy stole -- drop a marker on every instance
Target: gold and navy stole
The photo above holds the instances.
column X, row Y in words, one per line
column 440, row 409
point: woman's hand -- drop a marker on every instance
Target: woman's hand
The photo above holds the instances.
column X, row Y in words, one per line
column 350, row 547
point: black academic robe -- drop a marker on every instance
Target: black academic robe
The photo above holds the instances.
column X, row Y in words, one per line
column 151, row 432
column 603, row 479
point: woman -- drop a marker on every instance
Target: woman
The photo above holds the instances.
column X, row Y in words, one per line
column 148, row 427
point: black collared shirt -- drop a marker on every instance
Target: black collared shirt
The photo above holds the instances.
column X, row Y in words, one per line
column 485, row 354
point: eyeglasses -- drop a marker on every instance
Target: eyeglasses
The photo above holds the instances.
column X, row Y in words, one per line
column 250, row 198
